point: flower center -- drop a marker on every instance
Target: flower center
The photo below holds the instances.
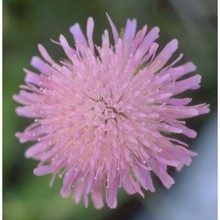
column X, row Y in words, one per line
column 107, row 110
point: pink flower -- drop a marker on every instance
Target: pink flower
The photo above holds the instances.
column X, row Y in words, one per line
column 104, row 115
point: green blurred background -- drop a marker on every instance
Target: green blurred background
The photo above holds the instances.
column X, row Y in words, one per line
column 29, row 22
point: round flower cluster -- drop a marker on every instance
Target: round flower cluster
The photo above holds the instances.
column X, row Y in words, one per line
column 104, row 115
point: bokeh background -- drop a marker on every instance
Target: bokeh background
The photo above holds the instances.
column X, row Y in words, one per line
column 27, row 23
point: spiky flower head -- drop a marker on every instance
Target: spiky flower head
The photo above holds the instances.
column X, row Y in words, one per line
column 104, row 115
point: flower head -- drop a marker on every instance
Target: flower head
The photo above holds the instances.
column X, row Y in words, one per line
column 104, row 115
